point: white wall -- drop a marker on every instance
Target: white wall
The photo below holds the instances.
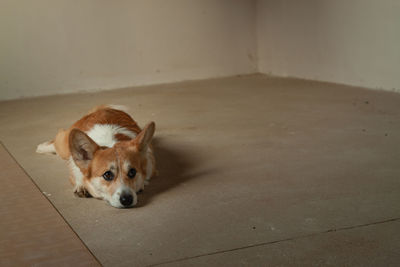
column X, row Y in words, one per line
column 355, row 42
column 58, row 46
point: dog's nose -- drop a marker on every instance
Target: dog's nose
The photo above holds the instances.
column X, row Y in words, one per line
column 126, row 199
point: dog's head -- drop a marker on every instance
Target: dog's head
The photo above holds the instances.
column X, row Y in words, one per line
column 114, row 174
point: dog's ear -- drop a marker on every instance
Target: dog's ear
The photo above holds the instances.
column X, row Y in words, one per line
column 144, row 137
column 82, row 148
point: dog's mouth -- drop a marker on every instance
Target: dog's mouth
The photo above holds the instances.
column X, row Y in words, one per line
column 121, row 206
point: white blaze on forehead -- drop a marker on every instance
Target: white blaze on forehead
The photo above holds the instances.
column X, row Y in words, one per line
column 126, row 166
column 112, row 166
column 104, row 134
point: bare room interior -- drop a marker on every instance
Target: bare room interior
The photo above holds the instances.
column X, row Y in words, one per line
column 277, row 139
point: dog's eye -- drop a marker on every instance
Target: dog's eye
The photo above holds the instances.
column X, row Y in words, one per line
column 131, row 173
column 108, row 176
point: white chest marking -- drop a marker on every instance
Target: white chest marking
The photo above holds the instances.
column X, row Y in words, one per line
column 104, row 134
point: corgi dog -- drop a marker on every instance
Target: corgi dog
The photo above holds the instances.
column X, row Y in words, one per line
column 109, row 156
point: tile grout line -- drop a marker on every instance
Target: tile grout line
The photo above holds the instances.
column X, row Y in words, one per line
column 51, row 203
column 278, row 241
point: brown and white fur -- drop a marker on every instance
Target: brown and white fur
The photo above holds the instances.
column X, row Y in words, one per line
column 109, row 156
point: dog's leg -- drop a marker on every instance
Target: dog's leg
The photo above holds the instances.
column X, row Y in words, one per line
column 81, row 192
column 76, row 178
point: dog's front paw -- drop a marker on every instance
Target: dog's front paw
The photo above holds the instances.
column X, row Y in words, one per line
column 81, row 192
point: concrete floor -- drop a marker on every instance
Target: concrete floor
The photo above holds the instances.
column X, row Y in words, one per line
column 253, row 171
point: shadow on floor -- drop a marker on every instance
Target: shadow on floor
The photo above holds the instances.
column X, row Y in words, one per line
column 175, row 165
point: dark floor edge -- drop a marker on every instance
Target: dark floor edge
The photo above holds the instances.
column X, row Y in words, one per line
column 40, row 191
column 278, row 241
column 246, row 74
